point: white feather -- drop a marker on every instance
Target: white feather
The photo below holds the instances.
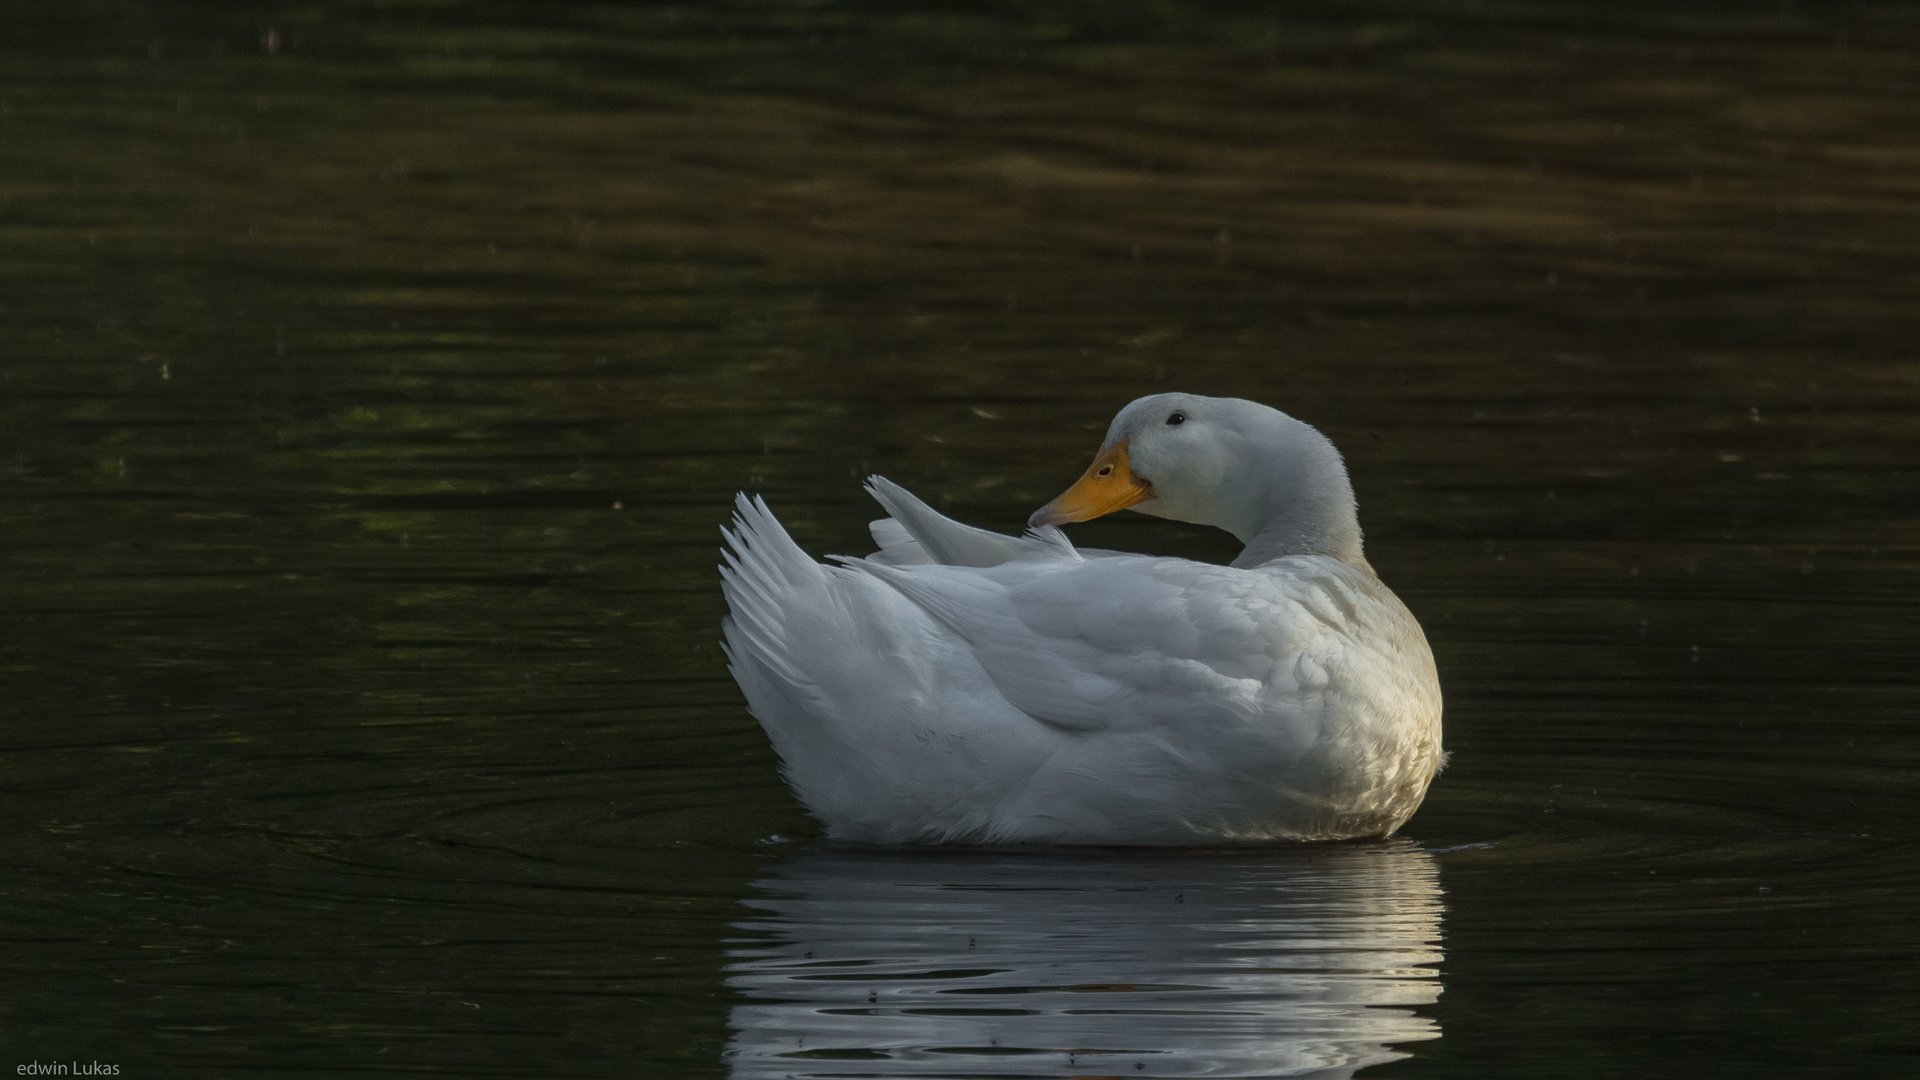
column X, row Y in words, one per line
column 963, row 685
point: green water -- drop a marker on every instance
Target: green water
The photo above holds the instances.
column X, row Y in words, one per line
column 374, row 378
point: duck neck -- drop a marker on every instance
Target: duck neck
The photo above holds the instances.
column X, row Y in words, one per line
column 1301, row 503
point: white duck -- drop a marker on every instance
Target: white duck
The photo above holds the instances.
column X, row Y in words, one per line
column 965, row 686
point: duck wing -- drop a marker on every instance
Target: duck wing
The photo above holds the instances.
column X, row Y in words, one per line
column 937, row 538
column 1133, row 643
column 916, row 535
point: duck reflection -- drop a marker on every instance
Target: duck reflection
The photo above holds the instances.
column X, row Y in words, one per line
column 1298, row 963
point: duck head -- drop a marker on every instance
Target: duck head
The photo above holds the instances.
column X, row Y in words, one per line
column 1276, row 483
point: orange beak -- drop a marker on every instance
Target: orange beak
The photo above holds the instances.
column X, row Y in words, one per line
column 1109, row 484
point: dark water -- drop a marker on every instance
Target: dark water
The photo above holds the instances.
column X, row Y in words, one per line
column 373, row 378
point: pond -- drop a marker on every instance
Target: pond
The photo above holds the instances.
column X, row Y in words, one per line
column 374, row 378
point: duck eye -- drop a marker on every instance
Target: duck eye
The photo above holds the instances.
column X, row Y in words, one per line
column 1105, row 470
column 1176, row 418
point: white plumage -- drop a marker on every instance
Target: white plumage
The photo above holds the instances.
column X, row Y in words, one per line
column 961, row 685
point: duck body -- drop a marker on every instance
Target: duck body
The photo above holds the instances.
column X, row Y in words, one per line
column 967, row 686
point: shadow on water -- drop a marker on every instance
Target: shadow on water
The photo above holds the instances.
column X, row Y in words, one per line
column 884, row 963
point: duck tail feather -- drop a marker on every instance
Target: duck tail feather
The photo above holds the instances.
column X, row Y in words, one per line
column 762, row 573
column 766, row 549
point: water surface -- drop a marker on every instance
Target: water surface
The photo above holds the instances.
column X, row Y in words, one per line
column 1303, row 962
column 374, row 378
